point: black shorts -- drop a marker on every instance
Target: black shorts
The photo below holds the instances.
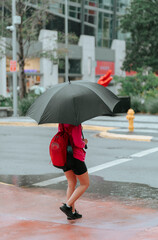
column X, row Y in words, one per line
column 76, row 165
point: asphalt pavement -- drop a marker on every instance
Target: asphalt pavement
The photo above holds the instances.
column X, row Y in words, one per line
column 33, row 213
column 145, row 126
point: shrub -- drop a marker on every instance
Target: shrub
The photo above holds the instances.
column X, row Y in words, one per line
column 138, row 85
column 151, row 93
column 152, row 106
column 130, row 86
column 25, row 103
column 136, row 104
column 6, row 102
column 143, row 90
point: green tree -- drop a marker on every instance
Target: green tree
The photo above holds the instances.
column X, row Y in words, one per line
column 142, row 46
column 32, row 21
column 27, row 31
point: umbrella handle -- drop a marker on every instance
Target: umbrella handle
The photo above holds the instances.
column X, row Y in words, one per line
column 83, row 138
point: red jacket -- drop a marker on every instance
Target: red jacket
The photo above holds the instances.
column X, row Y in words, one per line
column 76, row 141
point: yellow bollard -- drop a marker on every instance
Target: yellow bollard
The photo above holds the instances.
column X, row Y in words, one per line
column 130, row 117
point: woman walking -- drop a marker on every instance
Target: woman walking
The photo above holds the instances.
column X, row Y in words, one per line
column 75, row 169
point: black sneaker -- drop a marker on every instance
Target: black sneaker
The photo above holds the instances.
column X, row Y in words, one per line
column 76, row 215
column 67, row 211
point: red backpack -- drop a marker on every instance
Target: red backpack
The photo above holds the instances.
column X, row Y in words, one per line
column 58, row 147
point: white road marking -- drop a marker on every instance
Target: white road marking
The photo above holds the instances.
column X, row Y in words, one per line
column 90, row 170
column 99, row 167
column 146, row 152
column 50, row 181
column 108, row 164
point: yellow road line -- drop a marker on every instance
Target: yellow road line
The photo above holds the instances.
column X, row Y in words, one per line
column 31, row 124
column 27, row 124
column 9, row 184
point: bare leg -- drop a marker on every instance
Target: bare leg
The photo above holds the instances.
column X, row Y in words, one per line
column 72, row 181
column 84, row 184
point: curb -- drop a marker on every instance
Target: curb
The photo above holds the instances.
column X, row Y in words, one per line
column 140, row 138
column 27, row 124
column 103, row 131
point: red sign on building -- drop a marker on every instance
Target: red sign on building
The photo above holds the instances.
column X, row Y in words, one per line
column 13, row 66
column 103, row 67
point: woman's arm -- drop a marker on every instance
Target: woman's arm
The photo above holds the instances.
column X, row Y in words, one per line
column 77, row 137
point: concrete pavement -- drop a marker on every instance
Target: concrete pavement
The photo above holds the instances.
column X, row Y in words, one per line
column 33, row 214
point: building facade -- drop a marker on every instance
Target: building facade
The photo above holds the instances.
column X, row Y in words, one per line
column 100, row 46
column 98, row 18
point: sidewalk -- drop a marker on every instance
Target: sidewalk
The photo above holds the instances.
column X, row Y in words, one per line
column 145, row 126
column 34, row 214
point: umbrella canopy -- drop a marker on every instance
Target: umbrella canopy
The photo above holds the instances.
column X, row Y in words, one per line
column 73, row 103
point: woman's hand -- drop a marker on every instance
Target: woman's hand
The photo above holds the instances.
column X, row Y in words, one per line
column 85, row 140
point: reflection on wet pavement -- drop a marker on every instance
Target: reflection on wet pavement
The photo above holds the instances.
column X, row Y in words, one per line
column 128, row 193
column 25, row 180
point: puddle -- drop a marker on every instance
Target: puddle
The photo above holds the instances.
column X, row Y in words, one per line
column 25, row 180
column 128, row 193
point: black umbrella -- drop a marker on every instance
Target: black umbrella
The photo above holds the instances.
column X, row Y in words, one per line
column 73, row 103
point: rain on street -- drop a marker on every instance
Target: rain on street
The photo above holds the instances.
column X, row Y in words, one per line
column 119, row 169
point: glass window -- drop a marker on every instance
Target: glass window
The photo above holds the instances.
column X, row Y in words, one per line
column 74, row 11
column 89, row 2
column 77, row 1
column 105, row 28
column 100, row 20
column 105, row 43
column 61, row 66
column 104, row 34
column 106, row 4
column 90, row 13
column 74, row 66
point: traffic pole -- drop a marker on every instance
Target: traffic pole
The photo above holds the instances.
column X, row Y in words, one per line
column 14, row 57
column 66, row 41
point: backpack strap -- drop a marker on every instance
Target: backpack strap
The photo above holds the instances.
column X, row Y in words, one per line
column 67, row 130
column 62, row 126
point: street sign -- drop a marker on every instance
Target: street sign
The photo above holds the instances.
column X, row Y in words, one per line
column 13, row 66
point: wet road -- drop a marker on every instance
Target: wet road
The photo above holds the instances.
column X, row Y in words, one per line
column 120, row 204
column 127, row 169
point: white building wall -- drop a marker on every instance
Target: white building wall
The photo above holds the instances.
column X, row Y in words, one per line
column 120, row 49
column 3, row 85
column 47, row 68
column 88, row 57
